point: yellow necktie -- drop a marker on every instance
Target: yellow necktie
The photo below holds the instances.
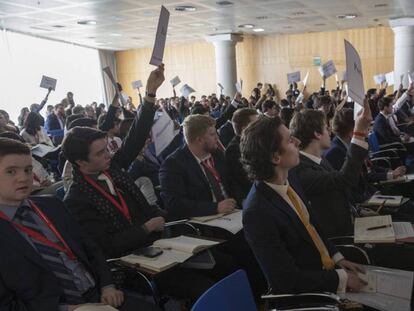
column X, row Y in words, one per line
column 327, row 261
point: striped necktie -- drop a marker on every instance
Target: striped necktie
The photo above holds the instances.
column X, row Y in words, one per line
column 327, row 261
column 51, row 256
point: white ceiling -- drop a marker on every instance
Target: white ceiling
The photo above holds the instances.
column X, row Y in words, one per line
column 126, row 24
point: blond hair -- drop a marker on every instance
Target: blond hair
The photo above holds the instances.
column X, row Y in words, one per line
column 195, row 126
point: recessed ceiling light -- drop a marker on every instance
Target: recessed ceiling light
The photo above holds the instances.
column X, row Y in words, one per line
column 224, row 2
column 321, row 24
column 115, row 35
column 197, row 24
column 298, row 13
column 346, row 16
column 185, row 8
column 249, row 26
column 87, row 22
column 380, row 5
column 287, row 27
column 90, row 37
column 58, row 26
column 258, row 29
column 262, row 17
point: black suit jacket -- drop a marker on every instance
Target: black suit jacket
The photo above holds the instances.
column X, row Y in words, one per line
column 327, row 189
column 383, row 131
column 284, row 249
column 185, row 189
column 26, row 282
column 116, row 242
column 239, row 182
column 52, row 122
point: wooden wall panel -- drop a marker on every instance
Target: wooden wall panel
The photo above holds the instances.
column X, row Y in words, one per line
column 264, row 58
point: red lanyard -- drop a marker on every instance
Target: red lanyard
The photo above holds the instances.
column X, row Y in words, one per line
column 123, row 208
column 209, row 164
column 40, row 237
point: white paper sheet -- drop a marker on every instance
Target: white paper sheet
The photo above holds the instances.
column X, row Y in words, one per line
column 160, row 38
column 175, row 81
column 230, row 222
column 239, row 86
column 410, row 77
column 48, row 82
column 403, row 230
column 327, row 69
column 380, row 78
column 162, row 133
column 186, row 90
column 108, row 72
column 355, row 76
column 305, row 80
column 293, row 77
column 390, row 78
column 136, row 84
column 95, row 307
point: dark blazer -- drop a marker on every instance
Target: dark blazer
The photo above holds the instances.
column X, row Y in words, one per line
column 284, row 249
column 115, row 242
column 52, row 123
column 26, row 282
column 239, row 182
column 226, row 115
column 383, row 131
column 226, row 133
column 327, row 189
column 185, row 189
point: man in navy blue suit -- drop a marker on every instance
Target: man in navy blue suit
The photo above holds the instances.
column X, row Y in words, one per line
column 279, row 223
column 46, row 262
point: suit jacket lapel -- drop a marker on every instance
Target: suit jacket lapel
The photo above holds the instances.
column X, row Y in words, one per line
column 278, row 202
column 195, row 167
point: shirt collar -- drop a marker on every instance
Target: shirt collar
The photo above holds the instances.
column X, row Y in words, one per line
column 198, row 159
column 315, row 159
column 10, row 211
column 280, row 189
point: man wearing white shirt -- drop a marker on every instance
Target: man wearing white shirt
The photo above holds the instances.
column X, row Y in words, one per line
column 279, row 223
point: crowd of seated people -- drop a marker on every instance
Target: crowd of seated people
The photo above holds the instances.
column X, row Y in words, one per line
column 297, row 164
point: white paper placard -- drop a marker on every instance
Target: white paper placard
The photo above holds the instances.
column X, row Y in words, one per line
column 305, row 80
column 175, row 81
column 293, row 77
column 108, row 72
column 162, row 132
column 327, row 69
column 160, row 38
column 389, row 77
column 410, row 77
column 239, row 86
column 48, row 82
column 136, row 84
column 186, row 90
column 380, row 78
column 355, row 76
column 336, row 78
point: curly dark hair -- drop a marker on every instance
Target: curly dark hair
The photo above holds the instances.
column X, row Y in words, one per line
column 305, row 123
column 260, row 140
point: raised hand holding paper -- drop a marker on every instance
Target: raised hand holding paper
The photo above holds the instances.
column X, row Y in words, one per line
column 305, row 80
column 379, row 79
column 160, row 38
column 327, row 69
column 175, row 81
column 48, row 82
column 293, row 77
column 389, row 77
column 354, row 71
column 136, row 84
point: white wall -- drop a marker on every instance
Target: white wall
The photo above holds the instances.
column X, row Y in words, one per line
column 23, row 61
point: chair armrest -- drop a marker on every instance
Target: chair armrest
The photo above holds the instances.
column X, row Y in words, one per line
column 384, row 153
column 381, row 161
column 361, row 252
column 303, row 301
column 183, row 223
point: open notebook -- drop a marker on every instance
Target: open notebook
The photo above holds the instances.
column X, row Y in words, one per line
column 381, row 229
column 95, row 307
column 387, row 200
column 231, row 222
column 175, row 250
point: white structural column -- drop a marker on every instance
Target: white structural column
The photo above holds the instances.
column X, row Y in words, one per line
column 226, row 66
column 403, row 48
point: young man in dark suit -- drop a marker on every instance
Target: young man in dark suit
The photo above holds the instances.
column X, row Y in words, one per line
column 108, row 204
column 56, row 120
column 279, row 224
column 327, row 189
column 47, row 263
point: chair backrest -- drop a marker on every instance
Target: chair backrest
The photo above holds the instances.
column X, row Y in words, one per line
column 231, row 293
column 373, row 142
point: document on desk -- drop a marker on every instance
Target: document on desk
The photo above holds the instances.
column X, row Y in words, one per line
column 390, row 289
column 230, row 222
column 95, row 307
column 403, row 230
column 160, row 38
column 375, row 229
